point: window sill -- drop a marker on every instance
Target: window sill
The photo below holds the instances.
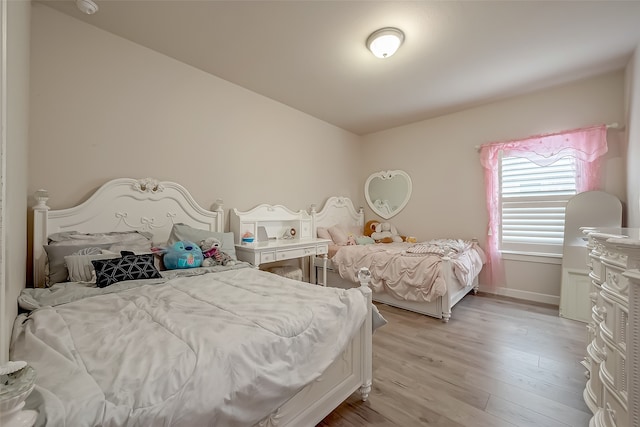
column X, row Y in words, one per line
column 532, row 257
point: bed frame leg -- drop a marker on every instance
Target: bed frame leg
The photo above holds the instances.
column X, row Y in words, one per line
column 446, row 317
column 475, row 290
column 364, row 390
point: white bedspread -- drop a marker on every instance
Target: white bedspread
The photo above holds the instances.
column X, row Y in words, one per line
column 220, row 349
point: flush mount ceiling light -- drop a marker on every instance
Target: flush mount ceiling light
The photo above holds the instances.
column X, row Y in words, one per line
column 384, row 42
column 87, row 6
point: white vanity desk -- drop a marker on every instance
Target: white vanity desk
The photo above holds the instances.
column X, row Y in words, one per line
column 271, row 226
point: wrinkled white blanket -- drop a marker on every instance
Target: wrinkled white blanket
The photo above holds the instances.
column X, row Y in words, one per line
column 411, row 272
column 220, row 349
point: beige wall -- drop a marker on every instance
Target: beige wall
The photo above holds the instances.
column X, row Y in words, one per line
column 448, row 190
column 633, row 129
column 18, row 22
column 103, row 107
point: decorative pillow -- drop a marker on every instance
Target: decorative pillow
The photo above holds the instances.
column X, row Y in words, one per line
column 80, row 267
column 55, row 256
column 183, row 232
column 129, row 267
column 323, row 233
column 338, row 235
column 364, row 240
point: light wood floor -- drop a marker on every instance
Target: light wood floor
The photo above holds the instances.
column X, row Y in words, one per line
column 498, row 362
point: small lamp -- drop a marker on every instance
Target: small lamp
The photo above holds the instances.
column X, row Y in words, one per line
column 385, row 42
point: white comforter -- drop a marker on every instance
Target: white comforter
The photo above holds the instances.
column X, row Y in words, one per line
column 408, row 271
column 220, row 349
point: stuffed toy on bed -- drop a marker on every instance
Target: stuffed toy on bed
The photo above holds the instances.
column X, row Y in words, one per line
column 212, row 253
column 386, row 232
column 182, row 254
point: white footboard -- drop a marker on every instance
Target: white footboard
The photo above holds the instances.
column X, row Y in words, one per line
column 439, row 308
column 349, row 373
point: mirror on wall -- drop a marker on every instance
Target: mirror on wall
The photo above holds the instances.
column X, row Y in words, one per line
column 387, row 192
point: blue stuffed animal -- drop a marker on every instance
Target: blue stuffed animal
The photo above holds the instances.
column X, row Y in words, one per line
column 182, row 254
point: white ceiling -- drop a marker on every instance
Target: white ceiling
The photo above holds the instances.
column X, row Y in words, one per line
column 311, row 55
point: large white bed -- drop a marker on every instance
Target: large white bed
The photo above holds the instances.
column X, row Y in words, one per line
column 340, row 211
column 225, row 346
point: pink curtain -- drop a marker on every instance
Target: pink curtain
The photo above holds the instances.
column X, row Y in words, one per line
column 585, row 145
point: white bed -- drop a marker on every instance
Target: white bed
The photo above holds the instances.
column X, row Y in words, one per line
column 340, row 210
column 165, row 375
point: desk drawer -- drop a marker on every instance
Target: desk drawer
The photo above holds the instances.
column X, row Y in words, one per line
column 266, row 257
column 322, row 249
column 295, row 253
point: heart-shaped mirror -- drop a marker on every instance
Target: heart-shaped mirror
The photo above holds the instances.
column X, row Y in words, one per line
column 387, row 192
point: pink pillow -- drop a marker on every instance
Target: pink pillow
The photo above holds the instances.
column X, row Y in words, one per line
column 323, row 233
column 338, row 235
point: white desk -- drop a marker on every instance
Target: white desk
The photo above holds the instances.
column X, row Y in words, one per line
column 258, row 253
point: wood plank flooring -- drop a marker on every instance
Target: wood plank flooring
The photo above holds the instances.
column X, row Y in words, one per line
column 499, row 362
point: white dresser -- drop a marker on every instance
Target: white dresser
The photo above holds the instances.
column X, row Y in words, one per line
column 607, row 360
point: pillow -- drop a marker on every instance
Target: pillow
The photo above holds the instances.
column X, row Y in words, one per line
column 323, row 233
column 80, row 267
column 118, row 240
column 129, row 267
column 355, row 230
column 364, row 240
column 338, row 235
column 55, row 256
column 183, row 232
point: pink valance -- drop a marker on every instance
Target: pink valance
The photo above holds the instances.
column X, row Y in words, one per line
column 585, row 145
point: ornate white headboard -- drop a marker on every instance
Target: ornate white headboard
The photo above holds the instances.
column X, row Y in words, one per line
column 337, row 210
column 122, row 204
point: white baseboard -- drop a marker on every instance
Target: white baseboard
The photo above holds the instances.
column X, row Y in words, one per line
column 524, row 295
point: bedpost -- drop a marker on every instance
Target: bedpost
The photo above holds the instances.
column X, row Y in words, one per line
column 446, row 269
column 364, row 276
column 40, row 233
column 361, row 217
column 217, row 207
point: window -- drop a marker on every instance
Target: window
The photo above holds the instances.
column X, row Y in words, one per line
column 532, row 204
column 528, row 183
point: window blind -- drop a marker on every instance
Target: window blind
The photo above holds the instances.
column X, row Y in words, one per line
column 533, row 201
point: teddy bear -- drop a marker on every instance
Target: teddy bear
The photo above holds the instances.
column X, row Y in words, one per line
column 212, row 253
column 386, row 232
column 370, row 227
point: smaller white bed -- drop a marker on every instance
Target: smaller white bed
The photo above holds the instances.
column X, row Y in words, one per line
column 451, row 276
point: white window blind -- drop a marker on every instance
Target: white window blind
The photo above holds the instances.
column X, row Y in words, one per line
column 533, row 201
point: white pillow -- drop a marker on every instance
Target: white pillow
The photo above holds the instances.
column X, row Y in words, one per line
column 80, row 267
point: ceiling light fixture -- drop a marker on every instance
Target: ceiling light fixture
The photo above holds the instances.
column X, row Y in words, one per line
column 87, row 6
column 385, row 42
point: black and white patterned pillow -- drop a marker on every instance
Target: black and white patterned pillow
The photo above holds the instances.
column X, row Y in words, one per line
column 129, row 267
